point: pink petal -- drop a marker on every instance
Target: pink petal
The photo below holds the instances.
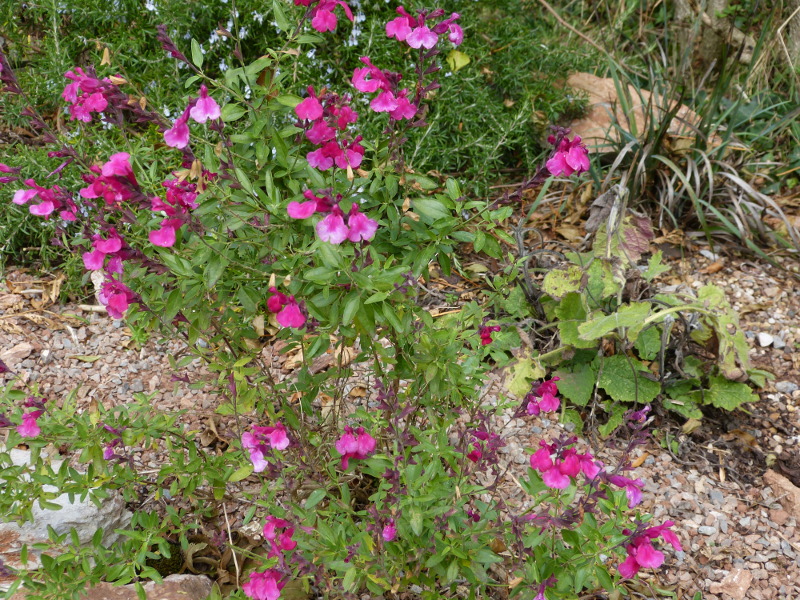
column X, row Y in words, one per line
column 178, row 135
column 22, row 196
column 291, row 316
column 629, row 568
column 164, row 237
column 422, row 37
column 94, row 260
column 398, row 28
column 647, row 556
column 301, row 210
column 555, row 479
column 332, row 229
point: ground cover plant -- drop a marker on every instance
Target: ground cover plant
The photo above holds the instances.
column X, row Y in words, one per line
column 259, row 208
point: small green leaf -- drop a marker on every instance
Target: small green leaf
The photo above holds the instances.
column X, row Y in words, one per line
column 415, row 521
column 648, row 344
column 232, row 112
column 430, row 208
column 349, row 578
column 351, row 308
column 629, row 317
column 726, row 394
column 576, row 384
column 624, row 379
column 242, row 472
column 280, row 16
column 197, row 54
column 524, row 372
column 315, row 498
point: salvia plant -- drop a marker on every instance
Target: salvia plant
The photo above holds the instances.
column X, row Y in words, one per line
column 261, row 212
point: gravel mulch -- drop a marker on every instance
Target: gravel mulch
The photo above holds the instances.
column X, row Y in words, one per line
column 739, row 529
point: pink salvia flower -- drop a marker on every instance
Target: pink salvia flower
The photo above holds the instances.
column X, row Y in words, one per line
column 301, row 210
column 422, row 37
column 166, row 234
column 641, row 552
column 178, row 135
column 389, row 532
column 320, row 132
column 362, row 84
column 362, row 228
column 310, row 108
column 384, row 102
column 633, row 488
column 398, row 28
column 571, row 157
column 264, row 586
column 260, row 440
column 29, row 428
column 205, row 108
column 291, row 315
column 116, row 297
column 456, row 34
column 405, row 109
column 356, row 444
column 332, row 229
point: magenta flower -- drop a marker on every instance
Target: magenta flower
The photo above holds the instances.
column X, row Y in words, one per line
column 332, row 229
column 291, row 315
column 485, row 332
column 116, row 297
column 205, row 108
column 633, row 488
column 322, row 16
column 260, row 440
column 50, row 200
column 389, row 532
column 356, row 444
column 641, row 552
column 320, row 132
column 301, row 210
column 178, row 135
column 543, row 398
column 405, row 108
column 362, row 84
column 362, row 228
column 29, row 428
column 118, row 164
column 309, row 109
column 570, row 157
column 384, row 102
column 264, row 586
column 398, row 28
column 422, row 37
column 276, row 301
column 95, row 260
column 279, row 534
column 559, row 465
column 456, row 34
column 165, row 235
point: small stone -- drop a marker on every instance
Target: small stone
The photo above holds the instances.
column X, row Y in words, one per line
column 706, row 530
column 778, row 343
column 137, row 386
column 786, row 387
column 716, row 496
column 764, row 339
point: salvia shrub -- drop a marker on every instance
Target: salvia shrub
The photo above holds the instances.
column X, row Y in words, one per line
column 259, row 211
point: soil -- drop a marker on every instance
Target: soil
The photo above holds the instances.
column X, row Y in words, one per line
column 716, row 482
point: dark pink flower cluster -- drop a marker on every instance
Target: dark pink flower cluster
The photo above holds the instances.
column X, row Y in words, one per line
column 321, row 12
column 570, row 157
column 86, row 94
column 286, row 309
column 389, row 531
column 390, row 98
column 116, row 297
column 487, row 442
column 560, row 462
column 112, row 247
column 50, row 200
column 181, row 198
column 641, row 552
column 485, row 332
column 416, row 33
column 542, row 397
column 266, row 585
column 355, row 443
column 279, row 534
column 29, row 427
column 113, row 182
column 110, row 448
column 332, row 227
column 260, row 440
column 325, row 120
column 200, row 109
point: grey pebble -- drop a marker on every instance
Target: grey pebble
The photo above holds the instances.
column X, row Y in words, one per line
column 786, row 387
column 27, row 364
column 116, row 323
column 764, row 339
column 778, row 343
column 716, row 496
column 707, row 530
column 536, row 429
column 137, row 386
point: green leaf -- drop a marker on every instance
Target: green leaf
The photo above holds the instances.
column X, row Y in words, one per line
column 349, row 578
column 280, row 16
column 415, row 521
column 289, row 100
column 430, row 209
column 214, row 269
column 654, row 267
column 571, row 313
column 559, row 282
column 524, row 372
column 726, row 394
column 576, row 384
column 624, row 380
column 453, row 189
column 604, row 578
column 197, row 54
column 457, row 60
column 630, row 317
column 452, row 570
column 242, row 472
column 351, row 308
column 232, row 112
column 615, row 415
column 648, row 344
column 315, row 498
column 377, row 297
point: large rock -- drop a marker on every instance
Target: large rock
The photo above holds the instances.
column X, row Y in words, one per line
column 597, row 129
column 174, row 587
column 83, row 515
column 787, row 493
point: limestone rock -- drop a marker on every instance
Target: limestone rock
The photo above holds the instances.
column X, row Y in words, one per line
column 597, row 128
column 735, row 584
column 784, row 489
